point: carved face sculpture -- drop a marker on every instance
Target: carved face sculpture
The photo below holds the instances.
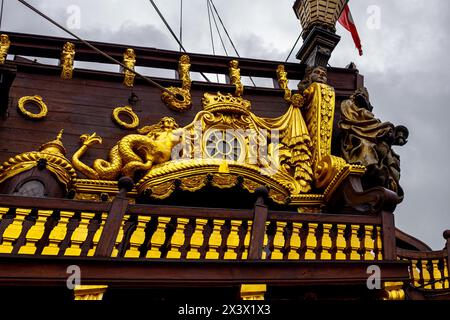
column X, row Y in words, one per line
column 234, row 64
column 4, row 39
column 168, row 123
column 401, row 135
column 319, row 74
column 185, row 59
column 129, row 53
column 69, row 46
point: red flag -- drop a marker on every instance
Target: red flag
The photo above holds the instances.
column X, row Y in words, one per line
column 346, row 20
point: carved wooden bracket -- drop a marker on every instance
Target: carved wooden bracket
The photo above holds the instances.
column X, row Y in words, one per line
column 350, row 195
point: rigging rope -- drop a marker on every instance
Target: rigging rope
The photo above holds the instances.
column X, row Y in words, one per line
column 181, row 22
column 107, row 56
column 228, row 36
column 293, row 47
column 1, row 15
column 210, row 28
column 171, row 31
column 211, row 34
column 217, row 28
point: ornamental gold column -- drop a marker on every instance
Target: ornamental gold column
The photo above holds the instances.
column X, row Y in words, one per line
column 318, row 19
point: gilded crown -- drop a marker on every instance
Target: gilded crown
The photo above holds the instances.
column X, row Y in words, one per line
column 225, row 103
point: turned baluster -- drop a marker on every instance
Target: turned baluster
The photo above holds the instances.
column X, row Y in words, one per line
column 437, row 275
column 341, row 244
column 79, row 235
column 215, row 240
column 197, row 239
column 158, row 238
column 278, row 241
column 295, row 241
column 354, row 243
column 426, row 277
column 368, row 243
column 326, row 242
column 311, row 242
column 178, row 239
column 233, row 240
column 138, row 237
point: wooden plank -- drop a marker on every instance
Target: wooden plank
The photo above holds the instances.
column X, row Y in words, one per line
column 323, row 217
column 140, row 273
column 388, row 235
column 50, row 47
column 188, row 212
column 112, row 225
column 409, row 254
column 53, row 204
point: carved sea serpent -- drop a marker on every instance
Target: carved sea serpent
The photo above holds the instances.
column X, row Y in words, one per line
column 87, row 140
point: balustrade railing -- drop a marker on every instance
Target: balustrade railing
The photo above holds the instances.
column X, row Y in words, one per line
column 429, row 270
column 119, row 229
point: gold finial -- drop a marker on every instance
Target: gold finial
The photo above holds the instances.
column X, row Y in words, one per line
column 4, row 47
column 67, row 60
column 235, row 77
column 184, row 66
column 129, row 59
column 59, row 136
column 55, row 146
column 283, row 82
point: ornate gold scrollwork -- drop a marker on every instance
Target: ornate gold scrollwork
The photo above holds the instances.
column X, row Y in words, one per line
column 4, row 47
column 327, row 168
column 235, row 78
column 181, row 99
column 128, row 112
column 129, row 59
column 320, row 99
column 35, row 100
column 52, row 152
column 67, row 60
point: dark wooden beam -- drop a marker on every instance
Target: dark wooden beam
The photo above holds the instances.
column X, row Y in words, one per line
column 114, row 220
column 145, row 273
column 259, row 224
column 54, row 204
column 50, row 47
column 388, row 235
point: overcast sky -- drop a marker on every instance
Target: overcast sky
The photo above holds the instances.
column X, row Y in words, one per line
column 404, row 63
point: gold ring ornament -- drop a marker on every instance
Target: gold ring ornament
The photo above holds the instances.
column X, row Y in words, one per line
column 34, row 100
column 128, row 111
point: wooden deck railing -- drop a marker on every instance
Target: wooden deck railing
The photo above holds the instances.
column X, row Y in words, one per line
column 429, row 270
column 119, row 229
column 40, row 46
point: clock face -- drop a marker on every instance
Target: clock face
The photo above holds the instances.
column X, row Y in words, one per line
column 223, row 144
